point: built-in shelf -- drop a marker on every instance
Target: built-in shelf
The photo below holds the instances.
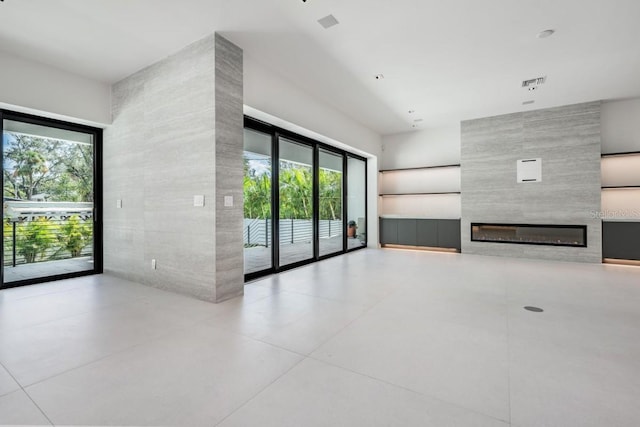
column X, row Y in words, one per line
column 428, row 191
column 419, row 168
column 626, row 153
column 617, row 187
column 419, row 194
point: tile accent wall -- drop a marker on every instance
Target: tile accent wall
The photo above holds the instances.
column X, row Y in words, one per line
column 229, row 170
column 567, row 139
column 160, row 151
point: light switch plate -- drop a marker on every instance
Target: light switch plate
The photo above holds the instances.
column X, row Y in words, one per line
column 198, row 201
column 228, row 201
column 119, row 204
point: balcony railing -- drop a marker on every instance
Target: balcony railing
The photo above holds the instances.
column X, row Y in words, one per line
column 40, row 231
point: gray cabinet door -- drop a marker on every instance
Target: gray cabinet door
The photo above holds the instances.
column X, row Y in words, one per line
column 621, row 240
column 388, row 231
column 427, row 232
column 407, row 232
column 449, row 233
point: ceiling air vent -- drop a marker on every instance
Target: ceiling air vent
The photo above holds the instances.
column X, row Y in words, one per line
column 328, row 21
column 532, row 84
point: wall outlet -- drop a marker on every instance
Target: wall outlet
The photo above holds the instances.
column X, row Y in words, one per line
column 228, row 201
column 153, row 264
column 198, row 201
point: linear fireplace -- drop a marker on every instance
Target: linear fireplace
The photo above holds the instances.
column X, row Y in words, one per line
column 530, row 234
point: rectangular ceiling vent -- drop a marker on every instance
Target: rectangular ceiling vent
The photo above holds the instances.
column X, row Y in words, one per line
column 328, row 21
column 532, row 84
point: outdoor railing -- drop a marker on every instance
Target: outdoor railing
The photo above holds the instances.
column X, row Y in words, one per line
column 257, row 232
column 36, row 231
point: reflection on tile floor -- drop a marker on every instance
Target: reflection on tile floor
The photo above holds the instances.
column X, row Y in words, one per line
column 372, row 338
column 258, row 258
column 47, row 268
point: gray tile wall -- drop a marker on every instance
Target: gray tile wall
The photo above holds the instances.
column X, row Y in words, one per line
column 568, row 141
column 229, row 170
column 161, row 151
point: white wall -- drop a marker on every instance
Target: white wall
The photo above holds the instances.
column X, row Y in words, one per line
column 31, row 87
column 430, row 147
column 620, row 125
column 271, row 98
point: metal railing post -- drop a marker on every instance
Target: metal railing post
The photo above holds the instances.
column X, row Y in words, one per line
column 248, row 234
column 14, row 243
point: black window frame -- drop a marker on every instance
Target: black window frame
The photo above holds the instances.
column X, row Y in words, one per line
column 98, row 260
column 276, row 133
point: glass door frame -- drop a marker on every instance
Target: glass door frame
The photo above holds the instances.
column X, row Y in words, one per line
column 277, row 132
column 97, row 193
column 275, row 208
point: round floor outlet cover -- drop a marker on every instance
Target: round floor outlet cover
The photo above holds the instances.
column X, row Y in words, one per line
column 534, row 309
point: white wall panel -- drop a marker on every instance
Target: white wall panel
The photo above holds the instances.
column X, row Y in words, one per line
column 620, row 171
column 436, row 206
column 432, row 180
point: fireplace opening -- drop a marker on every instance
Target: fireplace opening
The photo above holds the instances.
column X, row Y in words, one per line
column 530, row 234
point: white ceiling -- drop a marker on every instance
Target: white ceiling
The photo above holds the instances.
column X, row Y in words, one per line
column 447, row 60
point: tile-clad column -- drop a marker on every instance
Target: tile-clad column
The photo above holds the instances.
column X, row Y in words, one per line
column 229, row 170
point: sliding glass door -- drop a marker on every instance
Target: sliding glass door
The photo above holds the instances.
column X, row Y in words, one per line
column 356, row 203
column 316, row 193
column 295, row 185
column 257, row 202
column 50, row 200
column 330, row 227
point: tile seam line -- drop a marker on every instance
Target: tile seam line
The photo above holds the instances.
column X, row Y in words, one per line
column 430, row 396
column 115, row 353
column 27, row 394
column 259, row 392
column 305, row 357
column 80, row 313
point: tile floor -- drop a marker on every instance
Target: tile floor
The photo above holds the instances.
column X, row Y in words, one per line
column 372, row 338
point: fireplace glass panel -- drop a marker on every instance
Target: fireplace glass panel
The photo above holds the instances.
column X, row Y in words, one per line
column 555, row 235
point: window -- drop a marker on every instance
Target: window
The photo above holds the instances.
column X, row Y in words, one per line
column 51, row 199
column 310, row 189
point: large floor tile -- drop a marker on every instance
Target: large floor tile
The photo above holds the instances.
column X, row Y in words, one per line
column 17, row 409
column 195, row 377
column 95, row 292
column 572, row 365
column 292, row 321
column 462, row 365
column 35, row 353
column 7, row 383
column 318, row 394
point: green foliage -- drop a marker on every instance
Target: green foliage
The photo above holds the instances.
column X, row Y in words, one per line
column 330, row 194
column 34, row 238
column 296, row 193
column 74, row 235
column 61, row 169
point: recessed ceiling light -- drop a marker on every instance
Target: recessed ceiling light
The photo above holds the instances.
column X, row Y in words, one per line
column 328, row 21
column 546, row 33
column 379, row 76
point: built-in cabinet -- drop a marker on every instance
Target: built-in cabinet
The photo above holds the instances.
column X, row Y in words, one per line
column 621, row 206
column 434, row 233
column 420, row 207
